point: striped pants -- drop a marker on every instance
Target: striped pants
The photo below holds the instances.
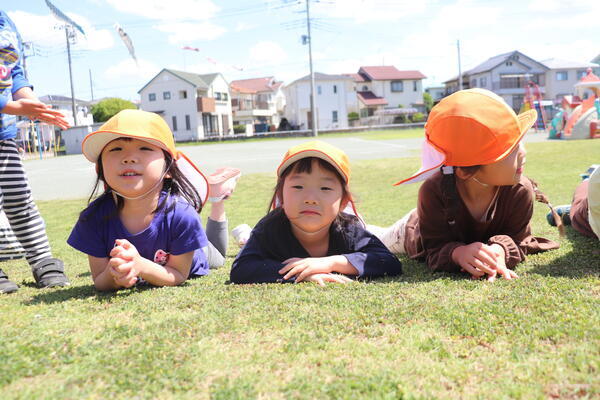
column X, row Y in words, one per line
column 17, row 203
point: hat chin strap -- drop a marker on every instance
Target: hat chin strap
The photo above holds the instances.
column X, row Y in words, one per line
column 481, row 183
column 158, row 182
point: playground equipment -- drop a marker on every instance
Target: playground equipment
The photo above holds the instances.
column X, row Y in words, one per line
column 533, row 101
column 36, row 140
column 584, row 121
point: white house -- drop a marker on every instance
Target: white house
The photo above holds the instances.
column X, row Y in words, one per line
column 64, row 105
column 195, row 106
column 335, row 98
column 257, row 101
column 508, row 74
column 563, row 75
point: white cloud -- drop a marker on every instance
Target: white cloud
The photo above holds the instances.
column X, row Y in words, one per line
column 243, row 26
column 266, row 52
column 128, row 70
column 44, row 30
column 186, row 33
column 362, row 11
column 167, row 10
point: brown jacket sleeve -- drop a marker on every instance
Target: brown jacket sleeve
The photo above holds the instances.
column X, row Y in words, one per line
column 516, row 237
column 579, row 211
column 436, row 236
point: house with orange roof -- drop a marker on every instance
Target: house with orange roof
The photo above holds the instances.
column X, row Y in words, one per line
column 257, row 101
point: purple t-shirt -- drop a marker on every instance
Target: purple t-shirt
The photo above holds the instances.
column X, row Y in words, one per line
column 175, row 229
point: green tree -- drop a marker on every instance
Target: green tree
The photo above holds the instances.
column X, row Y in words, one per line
column 106, row 108
column 352, row 116
column 428, row 100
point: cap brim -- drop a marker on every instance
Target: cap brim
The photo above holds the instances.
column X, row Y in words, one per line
column 194, row 175
column 431, row 160
column 94, row 143
column 306, row 154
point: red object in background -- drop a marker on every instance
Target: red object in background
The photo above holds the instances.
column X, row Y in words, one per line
column 595, row 129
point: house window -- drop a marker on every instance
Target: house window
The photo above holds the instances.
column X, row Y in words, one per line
column 473, row 83
column 581, row 74
column 183, row 94
column 187, row 123
column 508, row 63
column 334, row 116
column 319, row 89
column 365, row 88
column 397, row 86
column 225, row 96
column 334, row 88
column 174, row 123
column 562, row 75
column 166, row 95
column 414, row 86
column 151, row 96
column 482, row 81
column 217, row 95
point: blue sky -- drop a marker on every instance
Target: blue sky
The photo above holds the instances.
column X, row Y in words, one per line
column 253, row 38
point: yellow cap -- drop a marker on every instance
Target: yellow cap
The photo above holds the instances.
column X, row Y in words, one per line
column 316, row 148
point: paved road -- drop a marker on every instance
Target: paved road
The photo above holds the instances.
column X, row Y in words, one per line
column 72, row 177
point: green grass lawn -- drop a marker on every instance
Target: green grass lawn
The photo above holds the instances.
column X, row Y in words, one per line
column 416, row 336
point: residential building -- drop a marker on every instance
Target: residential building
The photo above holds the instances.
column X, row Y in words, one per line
column 508, row 75
column 335, row 98
column 563, row 75
column 436, row 92
column 596, row 60
column 379, row 87
column 257, row 101
column 195, row 106
column 64, row 105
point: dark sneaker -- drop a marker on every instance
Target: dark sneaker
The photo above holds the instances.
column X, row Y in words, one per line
column 50, row 272
column 563, row 212
column 7, row 286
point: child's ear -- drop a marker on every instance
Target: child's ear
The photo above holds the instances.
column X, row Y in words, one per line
column 462, row 174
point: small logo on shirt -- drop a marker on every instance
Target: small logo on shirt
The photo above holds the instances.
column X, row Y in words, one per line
column 161, row 257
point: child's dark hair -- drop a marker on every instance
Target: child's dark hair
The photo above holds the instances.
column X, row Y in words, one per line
column 176, row 184
column 304, row 165
column 451, row 199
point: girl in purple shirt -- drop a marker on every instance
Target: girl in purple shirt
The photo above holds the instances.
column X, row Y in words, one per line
column 145, row 227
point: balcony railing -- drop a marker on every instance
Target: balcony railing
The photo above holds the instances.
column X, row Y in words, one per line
column 205, row 104
column 249, row 105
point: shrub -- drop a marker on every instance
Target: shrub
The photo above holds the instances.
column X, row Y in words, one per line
column 239, row 129
column 418, row 117
column 352, row 116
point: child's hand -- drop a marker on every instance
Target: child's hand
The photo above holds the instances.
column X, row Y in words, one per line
column 125, row 250
column 477, row 259
column 303, row 267
column 35, row 109
column 320, row 279
column 123, row 272
column 501, row 267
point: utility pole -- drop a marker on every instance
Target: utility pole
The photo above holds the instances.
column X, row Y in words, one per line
column 91, row 84
column 74, row 109
column 313, row 104
column 460, row 80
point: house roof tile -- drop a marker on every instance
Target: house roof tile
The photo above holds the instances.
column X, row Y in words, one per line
column 368, row 98
column 255, row 85
column 388, row 72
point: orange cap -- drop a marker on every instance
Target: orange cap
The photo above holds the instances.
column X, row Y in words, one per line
column 151, row 128
column 470, row 127
column 316, row 148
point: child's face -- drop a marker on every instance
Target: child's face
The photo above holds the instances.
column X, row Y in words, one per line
column 132, row 167
column 504, row 172
column 312, row 201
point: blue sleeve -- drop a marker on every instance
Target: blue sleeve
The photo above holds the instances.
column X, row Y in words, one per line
column 87, row 237
column 187, row 233
column 252, row 266
column 19, row 80
column 18, row 76
column 371, row 258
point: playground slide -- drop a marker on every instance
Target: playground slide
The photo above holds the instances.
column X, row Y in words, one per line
column 577, row 113
column 581, row 128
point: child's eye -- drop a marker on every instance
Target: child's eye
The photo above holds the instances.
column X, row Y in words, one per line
column 297, row 187
column 326, row 188
column 146, row 148
column 114, row 149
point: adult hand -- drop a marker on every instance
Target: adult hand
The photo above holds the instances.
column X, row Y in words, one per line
column 320, row 279
column 303, row 267
column 35, row 109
